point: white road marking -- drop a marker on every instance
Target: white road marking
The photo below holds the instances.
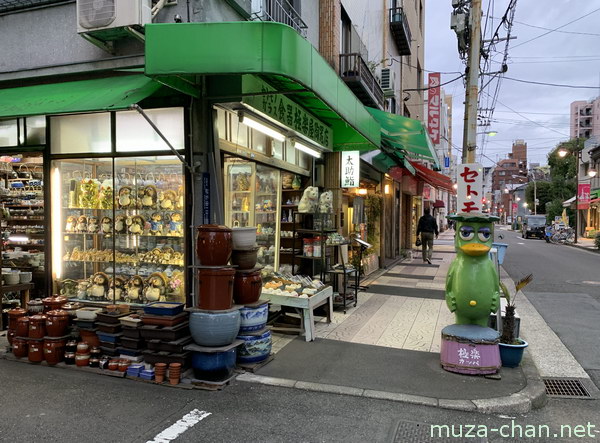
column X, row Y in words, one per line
column 179, row 427
column 520, row 243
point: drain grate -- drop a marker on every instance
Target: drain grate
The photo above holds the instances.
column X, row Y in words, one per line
column 565, row 387
column 413, row 432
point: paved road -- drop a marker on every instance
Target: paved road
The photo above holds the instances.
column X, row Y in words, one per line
column 565, row 290
column 50, row 404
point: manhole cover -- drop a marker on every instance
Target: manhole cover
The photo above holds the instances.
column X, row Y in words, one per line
column 414, row 432
column 565, row 388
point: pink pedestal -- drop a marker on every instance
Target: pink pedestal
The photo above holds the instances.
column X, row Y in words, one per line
column 470, row 349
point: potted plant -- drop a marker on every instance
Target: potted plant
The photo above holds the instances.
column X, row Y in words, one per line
column 511, row 347
column 597, row 240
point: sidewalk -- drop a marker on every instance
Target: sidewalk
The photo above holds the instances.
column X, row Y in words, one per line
column 388, row 347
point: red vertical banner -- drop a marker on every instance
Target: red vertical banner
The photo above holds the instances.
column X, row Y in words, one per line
column 433, row 107
column 583, row 195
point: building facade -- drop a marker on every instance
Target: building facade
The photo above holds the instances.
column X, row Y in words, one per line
column 585, row 118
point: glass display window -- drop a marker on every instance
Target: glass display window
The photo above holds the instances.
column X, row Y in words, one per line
column 80, row 134
column 134, row 132
column 118, row 229
column 9, row 133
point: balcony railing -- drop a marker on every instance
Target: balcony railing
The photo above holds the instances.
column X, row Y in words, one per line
column 280, row 11
column 400, row 30
column 357, row 75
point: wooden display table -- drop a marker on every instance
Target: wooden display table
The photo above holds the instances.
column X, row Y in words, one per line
column 305, row 307
column 22, row 288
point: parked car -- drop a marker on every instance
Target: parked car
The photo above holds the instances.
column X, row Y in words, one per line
column 534, row 226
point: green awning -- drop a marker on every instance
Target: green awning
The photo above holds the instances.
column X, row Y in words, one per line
column 385, row 161
column 104, row 94
column 177, row 53
column 405, row 134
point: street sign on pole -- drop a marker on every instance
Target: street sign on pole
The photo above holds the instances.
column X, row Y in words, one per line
column 470, row 187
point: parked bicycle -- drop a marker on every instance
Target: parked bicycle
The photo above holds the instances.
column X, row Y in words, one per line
column 562, row 236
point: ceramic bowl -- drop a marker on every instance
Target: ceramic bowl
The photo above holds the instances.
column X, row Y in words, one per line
column 88, row 313
column 11, row 278
column 255, row 348
column 244, row 258
column 244, row 238
column 216, row 328
column 213, row 366
column 25, row 277
column 254, row 319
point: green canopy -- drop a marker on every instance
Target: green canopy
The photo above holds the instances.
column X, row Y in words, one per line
column 103, row 94
column 405, row 134
column 385, row 161
column 177, row 53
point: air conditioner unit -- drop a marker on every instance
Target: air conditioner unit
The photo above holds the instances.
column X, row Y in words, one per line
column 103, row 17
column 388, row 82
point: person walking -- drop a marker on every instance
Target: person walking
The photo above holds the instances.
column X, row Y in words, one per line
column 427, row 227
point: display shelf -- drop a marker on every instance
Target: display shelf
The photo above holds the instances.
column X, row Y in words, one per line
column 292, row 190
column 341, row 271
column 312, row 231
column 8, row 206
column 289, row 206
column 26, row 219
column 265, row 212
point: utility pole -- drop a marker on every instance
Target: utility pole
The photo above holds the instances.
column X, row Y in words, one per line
column 470, row 124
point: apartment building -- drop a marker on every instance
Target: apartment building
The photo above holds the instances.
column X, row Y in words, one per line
column 585, row 118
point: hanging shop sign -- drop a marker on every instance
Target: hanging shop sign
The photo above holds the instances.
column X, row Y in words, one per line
column 286, row 111
column 350, row 175
column 426, row 192
column 433, row 108
column 584, row 191
column 206, row 198
column 470, row 187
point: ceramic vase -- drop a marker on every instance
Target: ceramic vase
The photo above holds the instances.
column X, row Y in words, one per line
column 256, row 348
column 254, row 319
column 214, row 328
column 213, row 245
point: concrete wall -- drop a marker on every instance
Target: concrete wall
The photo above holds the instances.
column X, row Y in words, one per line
column 41, row 42
column 310, row 14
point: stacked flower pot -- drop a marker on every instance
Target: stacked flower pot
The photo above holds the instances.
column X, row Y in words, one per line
column 215, row 323
column 165, row 331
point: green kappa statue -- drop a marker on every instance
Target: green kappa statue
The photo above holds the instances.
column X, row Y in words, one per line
column 472, row 285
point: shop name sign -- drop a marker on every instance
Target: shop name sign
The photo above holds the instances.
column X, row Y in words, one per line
column 469, row 178
column 286, row 111
column 350, row 169
column 434, row 107
column 584, row 195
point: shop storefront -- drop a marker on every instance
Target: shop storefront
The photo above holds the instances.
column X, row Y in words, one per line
column 104, row 196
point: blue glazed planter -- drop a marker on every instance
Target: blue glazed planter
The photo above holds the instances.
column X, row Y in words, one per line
column 511, row 355
column 217, row 328
column 255, row 348
column 213, row 366
column 254, row 319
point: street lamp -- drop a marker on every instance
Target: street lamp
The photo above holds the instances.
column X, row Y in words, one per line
column 489, row 133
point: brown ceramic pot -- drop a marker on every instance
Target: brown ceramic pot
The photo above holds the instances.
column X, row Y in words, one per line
column 244, row 258
column 10, row 335
column 113, row 365
column 35, row 306
column 52, row 303
column 14, row 315
column 123, row 365
column 37, row 326
column 213, row 245
column 72, row 308
column 247, row 286
column 57, row 323
column 70, row 358
column 216, row 288
column 22, row 327
column 83, row 348
column 20, row 347
column 89, row 337
column 54, row 350
column 36, row 351
column 82, row 359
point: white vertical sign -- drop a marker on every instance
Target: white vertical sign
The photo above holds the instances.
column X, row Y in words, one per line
column 469, row 177
column 350, row 169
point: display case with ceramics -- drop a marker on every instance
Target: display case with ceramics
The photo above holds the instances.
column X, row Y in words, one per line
column 118, row 229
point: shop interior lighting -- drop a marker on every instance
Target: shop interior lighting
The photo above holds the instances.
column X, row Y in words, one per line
column 362, row 191
column 386, row 189
column 57, row 241
column 302, row 147
column 592, row 172
column 255, row 124
column 18, row 238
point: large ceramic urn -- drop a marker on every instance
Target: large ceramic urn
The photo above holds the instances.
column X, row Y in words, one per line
column 247, row 286
column 52, row 303
column 57, row 322
column 14, row 315
column 216, row 288
column 213, row 245
column 54, row 350
column 37, row 326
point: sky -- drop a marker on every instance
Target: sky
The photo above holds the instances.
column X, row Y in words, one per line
column 538, row 114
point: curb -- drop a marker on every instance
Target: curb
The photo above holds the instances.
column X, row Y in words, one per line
column 585, row 248
column 532, row 396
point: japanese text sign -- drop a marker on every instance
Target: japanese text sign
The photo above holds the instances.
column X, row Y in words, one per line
column 469, row 357
column 583, row 195
column 470, row 187
column 433, row 107
column 350, row 169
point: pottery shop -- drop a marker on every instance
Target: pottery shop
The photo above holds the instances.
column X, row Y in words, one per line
column 97, row 204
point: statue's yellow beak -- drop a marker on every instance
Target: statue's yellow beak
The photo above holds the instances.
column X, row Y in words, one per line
column 475, row 249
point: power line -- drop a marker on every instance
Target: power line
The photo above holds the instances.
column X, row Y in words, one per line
column 557, row 61
column 441, row 84
column 556, row 29
column 556, row 85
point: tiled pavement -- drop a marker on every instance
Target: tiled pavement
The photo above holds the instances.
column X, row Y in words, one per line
column 404, row 309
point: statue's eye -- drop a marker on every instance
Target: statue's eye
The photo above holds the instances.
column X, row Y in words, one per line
column 467, row 233
column 484, row 234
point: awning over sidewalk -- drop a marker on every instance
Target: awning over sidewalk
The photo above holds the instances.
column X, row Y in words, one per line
column 103, row 94
column 569, row 202
column 405, row 134
column 439, row 204
column 177, row 53
column 435, row 179
column 385, row 162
